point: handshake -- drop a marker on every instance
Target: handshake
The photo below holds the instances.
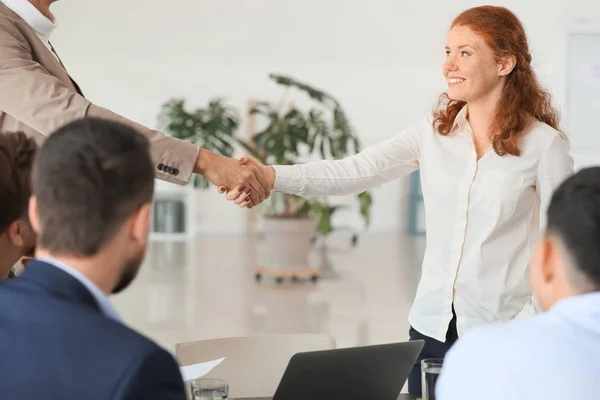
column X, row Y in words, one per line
column 246, row 181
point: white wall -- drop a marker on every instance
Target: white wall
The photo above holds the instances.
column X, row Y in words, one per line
column 381, row 58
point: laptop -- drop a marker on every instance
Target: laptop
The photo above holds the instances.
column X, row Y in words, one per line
column 367, row 372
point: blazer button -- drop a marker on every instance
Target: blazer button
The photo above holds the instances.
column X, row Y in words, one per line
column 175, row 171
column 160, row 166
column 170, row 170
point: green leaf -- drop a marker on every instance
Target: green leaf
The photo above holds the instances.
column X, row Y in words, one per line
column 365, row 201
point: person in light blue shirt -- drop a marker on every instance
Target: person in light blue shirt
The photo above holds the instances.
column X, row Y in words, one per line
column 554, row 355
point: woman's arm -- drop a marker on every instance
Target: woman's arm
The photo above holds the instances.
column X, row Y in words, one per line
column 378, row 164
column 555, row 166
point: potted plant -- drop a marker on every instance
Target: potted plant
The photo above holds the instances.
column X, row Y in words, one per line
column 291, row 136
column 212, row 127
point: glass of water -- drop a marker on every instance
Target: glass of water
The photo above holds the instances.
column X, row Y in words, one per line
column 209, row 389
column 430, row 371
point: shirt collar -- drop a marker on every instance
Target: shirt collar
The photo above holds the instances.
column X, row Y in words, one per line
column 576, row 305
column 38, row 22
column 105, row 305
column 461, row 118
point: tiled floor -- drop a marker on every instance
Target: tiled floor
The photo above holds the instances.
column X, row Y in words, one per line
column 206, row 289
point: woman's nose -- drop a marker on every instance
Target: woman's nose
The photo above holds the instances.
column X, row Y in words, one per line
column 450, row 63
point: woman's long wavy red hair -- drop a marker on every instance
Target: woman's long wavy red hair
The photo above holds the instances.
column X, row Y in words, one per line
column 523, row 96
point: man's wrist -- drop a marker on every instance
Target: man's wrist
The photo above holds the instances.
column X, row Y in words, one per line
column 203, row 161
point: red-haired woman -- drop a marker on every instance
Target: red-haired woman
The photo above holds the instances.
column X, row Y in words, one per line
column 490, row 157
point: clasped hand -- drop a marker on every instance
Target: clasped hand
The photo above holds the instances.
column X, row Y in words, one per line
column 246, row 181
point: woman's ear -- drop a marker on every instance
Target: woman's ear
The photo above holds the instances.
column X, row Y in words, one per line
column 506, row 65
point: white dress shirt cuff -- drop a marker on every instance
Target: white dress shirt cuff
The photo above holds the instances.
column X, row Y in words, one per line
column 288, row 179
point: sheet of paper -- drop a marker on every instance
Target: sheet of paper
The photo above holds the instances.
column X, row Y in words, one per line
column 195, row 371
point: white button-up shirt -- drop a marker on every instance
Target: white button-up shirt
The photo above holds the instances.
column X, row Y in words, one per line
column 482, row 216
column 551, row 356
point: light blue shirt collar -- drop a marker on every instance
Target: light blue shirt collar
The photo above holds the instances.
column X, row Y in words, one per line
column 101, row 299
column 582, row 304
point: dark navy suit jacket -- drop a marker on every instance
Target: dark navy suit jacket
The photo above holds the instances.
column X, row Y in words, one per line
column 55, row 344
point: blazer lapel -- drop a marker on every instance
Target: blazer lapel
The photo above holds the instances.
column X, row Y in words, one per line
column 65, row 68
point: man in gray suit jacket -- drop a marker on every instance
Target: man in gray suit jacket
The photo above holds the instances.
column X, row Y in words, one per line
column 38, row 96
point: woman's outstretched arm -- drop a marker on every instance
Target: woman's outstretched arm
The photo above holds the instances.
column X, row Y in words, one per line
column 378, row 164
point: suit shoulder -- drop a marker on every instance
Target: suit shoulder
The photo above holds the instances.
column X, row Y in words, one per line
column 11, row 25
column 71, row 318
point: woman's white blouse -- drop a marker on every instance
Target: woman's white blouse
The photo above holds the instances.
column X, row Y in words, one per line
column 482, row 216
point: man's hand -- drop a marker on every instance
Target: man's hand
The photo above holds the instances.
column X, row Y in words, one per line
column 238, row 196
column 228, row 173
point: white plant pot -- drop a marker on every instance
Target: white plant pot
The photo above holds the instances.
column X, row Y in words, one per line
column 286, row 243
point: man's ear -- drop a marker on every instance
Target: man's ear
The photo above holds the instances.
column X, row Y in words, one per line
column 15, row 234
column 34, row 217
column 140, row 224
column 547, row 251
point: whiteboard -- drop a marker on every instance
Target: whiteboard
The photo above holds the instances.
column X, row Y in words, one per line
column 583, row 92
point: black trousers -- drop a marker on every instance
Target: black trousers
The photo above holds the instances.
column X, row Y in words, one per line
column 432, row 349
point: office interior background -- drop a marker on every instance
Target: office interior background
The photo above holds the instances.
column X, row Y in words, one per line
column 382, row 60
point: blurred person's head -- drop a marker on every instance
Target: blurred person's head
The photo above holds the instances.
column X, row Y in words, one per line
column 93, row 184
column 567, row 260
column 488, row 62
column 17, row 238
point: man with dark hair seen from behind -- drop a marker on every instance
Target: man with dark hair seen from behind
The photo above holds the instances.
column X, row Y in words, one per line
column 60, row 337
column 553, row 355
column 17, row 238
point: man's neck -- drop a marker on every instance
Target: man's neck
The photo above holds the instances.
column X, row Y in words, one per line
column 9, row 257
column 43, row 6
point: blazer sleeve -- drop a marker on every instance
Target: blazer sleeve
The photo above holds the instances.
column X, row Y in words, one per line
column 155, row 377
column 43, row 102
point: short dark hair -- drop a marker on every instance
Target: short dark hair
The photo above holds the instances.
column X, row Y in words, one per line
column 574, row 216
column 89, row 177
column 17, row 153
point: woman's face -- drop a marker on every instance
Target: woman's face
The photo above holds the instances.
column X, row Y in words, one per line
column 471, row 69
